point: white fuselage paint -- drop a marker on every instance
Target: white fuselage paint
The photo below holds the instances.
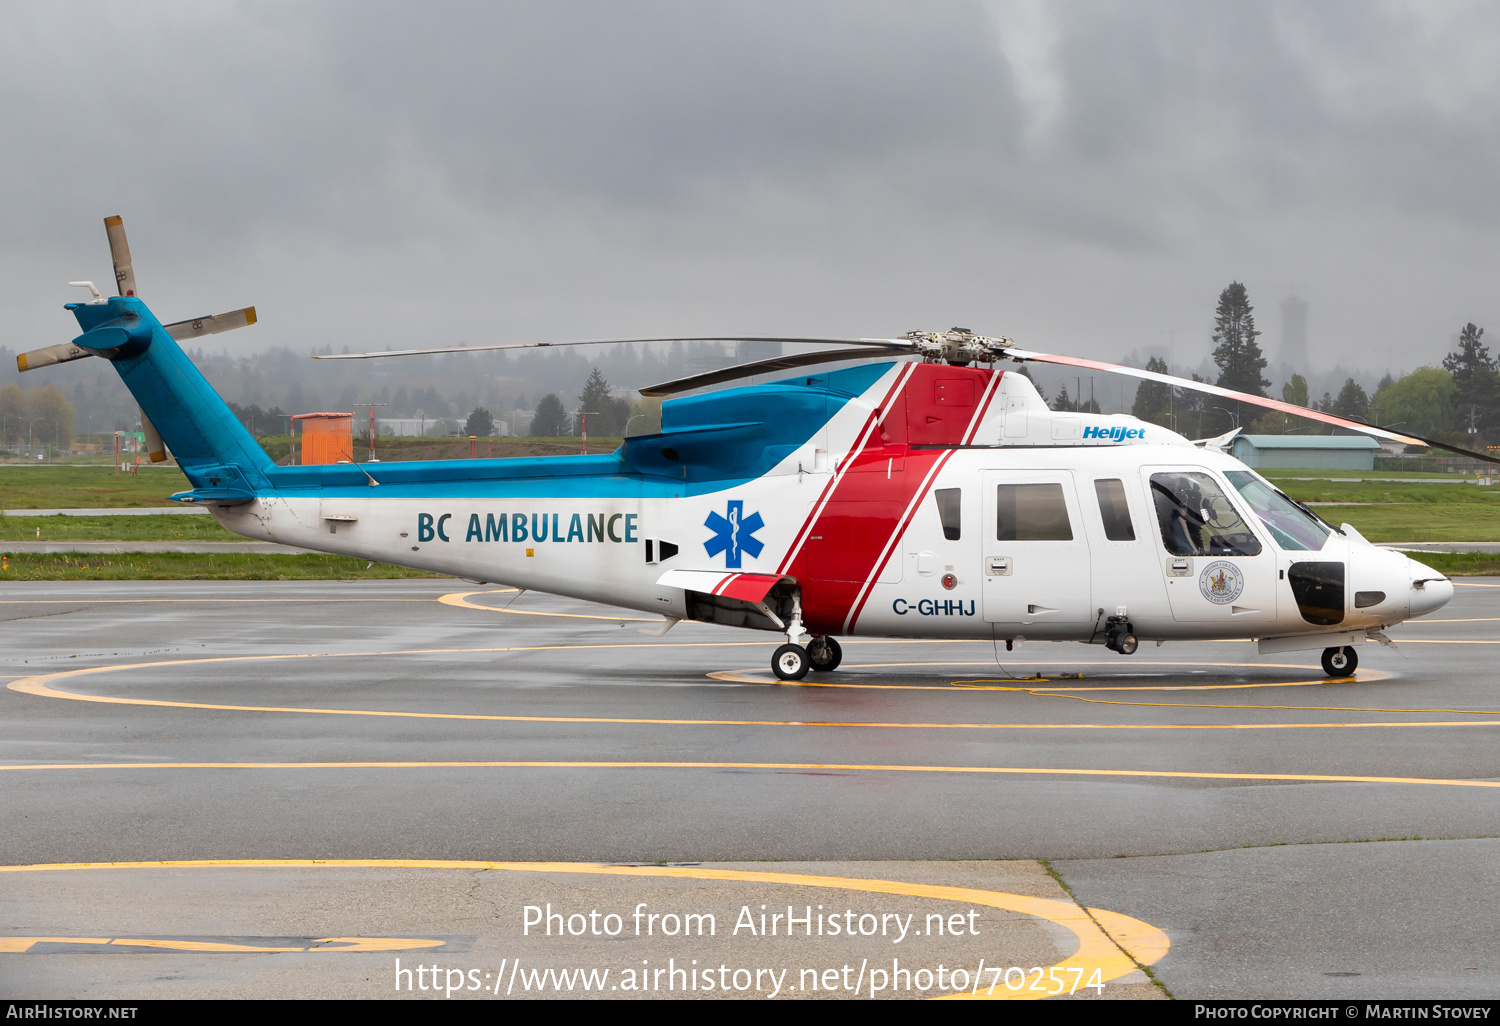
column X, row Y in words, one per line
column 1046, row 590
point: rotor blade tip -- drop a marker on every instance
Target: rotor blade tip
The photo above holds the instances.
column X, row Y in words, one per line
column 113, row 221
column 249, row 316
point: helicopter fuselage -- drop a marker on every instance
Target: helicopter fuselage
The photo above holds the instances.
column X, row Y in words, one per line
column 899, row 500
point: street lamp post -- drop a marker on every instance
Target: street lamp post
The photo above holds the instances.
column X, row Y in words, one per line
column 30, row 438
column 1235, row 415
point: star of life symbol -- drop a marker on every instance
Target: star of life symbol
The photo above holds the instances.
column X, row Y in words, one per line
column 733, row 536
column 1221, row 582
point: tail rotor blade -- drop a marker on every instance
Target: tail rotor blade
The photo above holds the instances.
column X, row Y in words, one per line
column 199, row 326
column 154, row 444
column 50, row 355
column 119, row 251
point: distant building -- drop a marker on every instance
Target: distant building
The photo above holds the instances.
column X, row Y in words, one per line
column 1294, row 334
column 420, row 426
column 1312, row 452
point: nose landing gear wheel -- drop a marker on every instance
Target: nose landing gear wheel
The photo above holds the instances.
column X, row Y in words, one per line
column 1340, row 662
column 790, row 662
column 825, row 654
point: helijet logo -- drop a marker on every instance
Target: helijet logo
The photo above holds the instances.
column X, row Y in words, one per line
column 1114, row 434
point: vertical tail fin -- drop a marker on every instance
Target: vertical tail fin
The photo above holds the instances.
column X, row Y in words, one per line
column 221, row 459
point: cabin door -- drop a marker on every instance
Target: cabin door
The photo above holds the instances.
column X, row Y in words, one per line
column 1035, row 560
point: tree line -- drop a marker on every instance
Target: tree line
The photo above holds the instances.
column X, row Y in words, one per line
column 1457, row 403
column 35, row 416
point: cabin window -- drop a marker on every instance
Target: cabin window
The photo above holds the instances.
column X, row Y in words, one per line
column 948, row 505
column 1197, row 518
column 1032, row 512
column 1114, row 510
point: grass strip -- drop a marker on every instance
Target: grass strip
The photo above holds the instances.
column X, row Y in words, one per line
column 142, row 528
column 1461, row 564
column 184, row 566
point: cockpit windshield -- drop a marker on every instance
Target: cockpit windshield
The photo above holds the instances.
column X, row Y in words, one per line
column 1292, row 526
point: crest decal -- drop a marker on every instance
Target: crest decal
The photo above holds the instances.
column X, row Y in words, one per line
column 1221, row 582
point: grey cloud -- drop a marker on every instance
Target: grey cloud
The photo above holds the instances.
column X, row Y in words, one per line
column 371, row 173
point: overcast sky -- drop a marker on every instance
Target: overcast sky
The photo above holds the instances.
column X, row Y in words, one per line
column 1084, row 177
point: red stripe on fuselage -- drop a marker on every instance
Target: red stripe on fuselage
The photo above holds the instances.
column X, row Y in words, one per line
column 991, row 388
column 856, row 525
column 871, row 423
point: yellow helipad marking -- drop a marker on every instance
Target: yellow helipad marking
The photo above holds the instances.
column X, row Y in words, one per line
column 1116, row 949
column 461, row 599
column 41, row 686
column 20, row 945
column 1465, row 584
column 796, row 766
column 194, row 601
column 1025, row 683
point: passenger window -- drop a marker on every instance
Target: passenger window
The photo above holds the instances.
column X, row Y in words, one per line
column 1113, row 509
column 1197, row 518
column 1032, row 512
column 948, row 504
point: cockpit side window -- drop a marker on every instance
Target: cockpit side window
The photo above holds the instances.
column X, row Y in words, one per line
column 1292, row 526
column 948, row 504
column 1197, row 518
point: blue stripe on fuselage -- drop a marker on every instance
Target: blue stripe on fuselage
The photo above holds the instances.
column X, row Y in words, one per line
column 722, row 439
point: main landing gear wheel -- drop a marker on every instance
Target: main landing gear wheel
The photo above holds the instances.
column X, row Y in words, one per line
column 790, row 662
column 825, row 654
column 1340, row 662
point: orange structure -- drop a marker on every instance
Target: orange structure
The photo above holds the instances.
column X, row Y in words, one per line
column 326, row 437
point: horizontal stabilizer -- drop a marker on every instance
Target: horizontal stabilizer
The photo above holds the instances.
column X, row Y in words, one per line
column 61, row 353
column 198, row 326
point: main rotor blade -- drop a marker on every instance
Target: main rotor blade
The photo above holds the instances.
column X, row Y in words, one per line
column 199, row 326
column 878, row 343
column 1406, row 438
column 779, row 363
column 119, row 251
column 60, row 353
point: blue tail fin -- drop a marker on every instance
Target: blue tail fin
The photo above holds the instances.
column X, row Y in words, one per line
column 222, row 461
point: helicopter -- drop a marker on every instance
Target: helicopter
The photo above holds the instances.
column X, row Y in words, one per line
column 920, row 489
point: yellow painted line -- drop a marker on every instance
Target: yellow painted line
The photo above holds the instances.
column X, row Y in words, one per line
column 1465, row 584
column 36, row 686
column 40, row 686
column 20, row 945
column 16, row 945
column 1470, row 619
column 1119, row 948
column 1024, row 683
column 195, row 601
column 461, row 599
column 796, row 766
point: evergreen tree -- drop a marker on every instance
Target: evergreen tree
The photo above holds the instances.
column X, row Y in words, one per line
column 1477, row 382
column 1236, row 351
column 607, row 414
column 480, row 423
column 1385, row 383
column 551, row 420
column 1063, row 402
column 1295, row 391
column 1153, row 399
column 1352, row 402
